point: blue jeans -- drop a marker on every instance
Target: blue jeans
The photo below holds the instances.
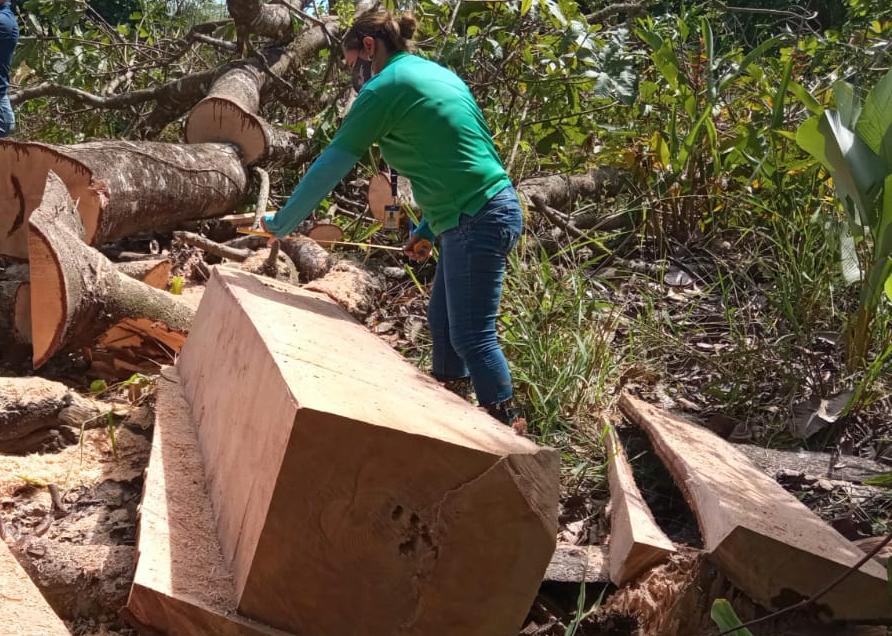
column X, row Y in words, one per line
column 464, row 302
column 7, row 118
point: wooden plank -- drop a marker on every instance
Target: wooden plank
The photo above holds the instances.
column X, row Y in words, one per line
column 636, row 541
column 23, row 610
column 354, row 495
column 761, row 537
column 182, row 584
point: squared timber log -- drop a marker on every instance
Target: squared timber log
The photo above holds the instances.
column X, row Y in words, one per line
column 23, row 609
column 636, row 541
column 760, row 536
column 182, row 585
column 353, row 494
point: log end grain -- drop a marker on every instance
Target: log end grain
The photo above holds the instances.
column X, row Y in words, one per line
column 217, row 119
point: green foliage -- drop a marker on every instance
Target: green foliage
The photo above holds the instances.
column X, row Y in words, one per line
column 725, row 618
column 98, row 386
column 854, row 144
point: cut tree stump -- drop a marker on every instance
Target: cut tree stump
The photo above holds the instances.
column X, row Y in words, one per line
column 761, row 537
column 182, row 584
column 77, row 293
column 378, row 502
column 636, row 541
column 31, row 405
column 23, row 610
column 121, row 187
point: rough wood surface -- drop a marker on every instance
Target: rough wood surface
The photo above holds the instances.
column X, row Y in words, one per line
column 768, row 543
column 76, row 293
column 310, row 258
column 15, row 306
column 23, row 610
column 154, row 272
column 273, row 263
column 383, row 474
column 121, row 187
column 354, row 288
column 636, row 541
column 33, row 404
column 182, row 584
column 578, row 563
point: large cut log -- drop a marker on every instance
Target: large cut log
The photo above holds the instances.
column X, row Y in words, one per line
column 31, row 405
column 413, row 510
column 182, row 584
column 230, row 112
column 23, row 610
column 121, row 187
column 76, row 293
column 760, row 536
column 636, row 541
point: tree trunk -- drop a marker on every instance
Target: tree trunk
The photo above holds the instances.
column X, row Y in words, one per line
column 76, row 293
column 311, row 259
column 122, row 187
column 154, row 272
column 29, row 405
column 264, row 19
column 231, row 111
column 560, row 191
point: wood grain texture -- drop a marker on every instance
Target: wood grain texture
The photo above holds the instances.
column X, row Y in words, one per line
column 23, row 610
column 354, row 495
column 182, row 585
column 636, row 541
column 760, row 536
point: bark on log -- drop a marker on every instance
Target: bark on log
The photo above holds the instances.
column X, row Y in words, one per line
column 231, row 110
column 154, row 272
column 212, row 247
column 560, row 191
column 282, row 268
column 121, row 187
column 76, row 293
column 261, row 18
column 311, row 259
column 354, row 288
column 15, row 306
column 33, row 404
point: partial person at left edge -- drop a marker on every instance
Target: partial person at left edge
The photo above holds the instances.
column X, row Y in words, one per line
column 9, row 37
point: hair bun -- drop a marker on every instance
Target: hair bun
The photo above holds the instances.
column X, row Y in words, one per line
column 408, row 24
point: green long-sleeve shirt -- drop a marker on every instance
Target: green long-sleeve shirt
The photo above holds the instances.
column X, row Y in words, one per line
column 428, row 126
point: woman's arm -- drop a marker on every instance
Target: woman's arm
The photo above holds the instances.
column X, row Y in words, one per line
column 363, row 126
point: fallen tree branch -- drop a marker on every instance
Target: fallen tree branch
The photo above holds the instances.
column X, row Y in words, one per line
column 262, row 193
column 629, row 8
column 212, row 247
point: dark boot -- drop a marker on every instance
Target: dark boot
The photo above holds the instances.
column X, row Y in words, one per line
column 509, row 415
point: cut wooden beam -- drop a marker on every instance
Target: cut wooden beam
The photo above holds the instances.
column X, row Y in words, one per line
column 23, row 610
column 761, row 537
column 182, row 584
column 636, row 541
column 354, row 495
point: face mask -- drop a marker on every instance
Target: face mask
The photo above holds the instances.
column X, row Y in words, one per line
column 362, row 72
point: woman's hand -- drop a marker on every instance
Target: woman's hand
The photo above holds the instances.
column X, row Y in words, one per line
column 418, row 248
column 272, row 239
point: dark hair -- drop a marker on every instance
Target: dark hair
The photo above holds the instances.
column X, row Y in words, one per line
column 381, row 25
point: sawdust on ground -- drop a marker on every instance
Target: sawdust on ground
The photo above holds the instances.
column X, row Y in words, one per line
column 85, row 464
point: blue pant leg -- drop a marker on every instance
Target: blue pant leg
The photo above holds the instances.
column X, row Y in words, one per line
column 446, row 363
column 475, row 256
column 7, row 117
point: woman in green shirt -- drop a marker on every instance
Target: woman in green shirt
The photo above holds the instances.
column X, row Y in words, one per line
column 429, row 128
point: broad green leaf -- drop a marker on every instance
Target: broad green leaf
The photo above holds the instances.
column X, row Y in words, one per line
column 690, row 140
column 881, row 266
column 806, row 98
column 661, row 150
column 847, row 104
column 855, row 169
column 875, row 124
column 709, row 50
column 667, row 64
column 525, row 6
column 888, row 287
column 724, row 616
